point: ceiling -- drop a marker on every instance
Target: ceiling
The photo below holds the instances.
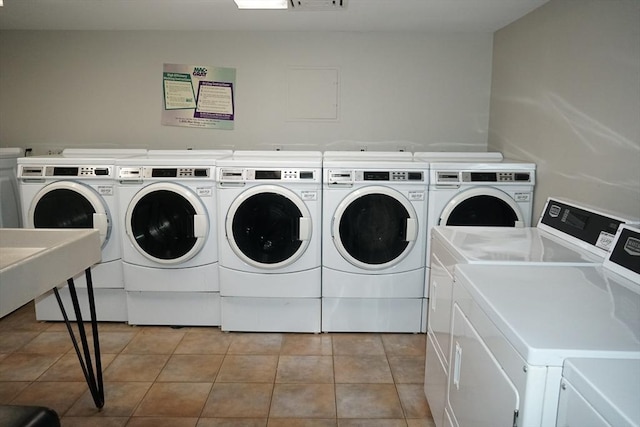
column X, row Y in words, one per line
column 223, row 15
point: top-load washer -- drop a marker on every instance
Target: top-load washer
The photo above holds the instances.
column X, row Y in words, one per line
column 567, row 235
column 169, row 240
column 599, row 393
column 374, row 233
column 10, row 212
column 514, row 327
column 77, row 190
column 270, row 220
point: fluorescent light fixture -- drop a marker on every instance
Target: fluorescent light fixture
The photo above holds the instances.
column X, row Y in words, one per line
column 261, row 4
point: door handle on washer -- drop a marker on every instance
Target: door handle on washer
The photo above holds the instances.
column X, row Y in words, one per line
column 305, row 228
column 199, row 225
column 412, row 230
column 101, row 222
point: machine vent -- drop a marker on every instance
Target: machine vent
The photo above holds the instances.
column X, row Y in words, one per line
column 312, row 5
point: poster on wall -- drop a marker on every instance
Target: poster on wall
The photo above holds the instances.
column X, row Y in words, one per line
column 198, row 96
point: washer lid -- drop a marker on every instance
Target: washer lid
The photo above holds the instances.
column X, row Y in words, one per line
column 167, row 223
column 503, row 245
column 268, row 226
column 69, row 204
column 611, row 386
column 551, row 313
column 374, row 227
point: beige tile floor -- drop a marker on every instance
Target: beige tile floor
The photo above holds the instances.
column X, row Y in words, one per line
column 159, row 376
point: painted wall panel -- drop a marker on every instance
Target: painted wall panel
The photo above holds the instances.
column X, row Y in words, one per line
column 93, row 88
column 566, row 95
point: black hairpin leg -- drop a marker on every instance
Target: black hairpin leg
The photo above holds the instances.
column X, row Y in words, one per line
column 94, row 380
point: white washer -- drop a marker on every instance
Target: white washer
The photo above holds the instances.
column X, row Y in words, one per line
column 373, row 241
column 567, row 235
column 77, row 190
column 270, row 209
column 599, row 393
column 10, row 212
column 513, row 328
column 478, row 189
column 169, row 242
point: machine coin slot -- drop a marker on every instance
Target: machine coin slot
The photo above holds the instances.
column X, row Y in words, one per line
column 164, row 173
column 231, row 174
column 101, row 171
column 447, row 177
column 522, row 177
column 200, row 172
column 415, row 176
column 31, row 171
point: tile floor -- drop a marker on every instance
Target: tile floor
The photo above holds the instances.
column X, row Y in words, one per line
column 159, row 376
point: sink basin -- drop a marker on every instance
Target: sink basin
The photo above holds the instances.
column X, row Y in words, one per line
column 33, row 261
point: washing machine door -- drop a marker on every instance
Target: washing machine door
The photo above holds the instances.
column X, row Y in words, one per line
column 268, row 226
column 482, row 206
column 374, row 227
column 69, row 204
column 167, row 223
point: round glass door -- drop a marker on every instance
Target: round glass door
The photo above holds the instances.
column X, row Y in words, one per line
column 70, row 205
column 374, row 227
column 487, row 207
column 268, row 226
column 167, row 223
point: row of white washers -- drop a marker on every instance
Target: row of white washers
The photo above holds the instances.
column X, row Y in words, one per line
column 523, row 323
column 298, row 251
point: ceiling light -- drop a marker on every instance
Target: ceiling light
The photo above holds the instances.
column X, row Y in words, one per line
column 261, row 4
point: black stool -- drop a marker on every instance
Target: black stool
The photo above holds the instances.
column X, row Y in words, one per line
column 28, row 416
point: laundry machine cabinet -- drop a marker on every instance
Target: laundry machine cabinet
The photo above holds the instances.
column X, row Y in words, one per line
column 77, row 190
column 515, row 326
column 270, row 212
column 169, row 241
column 551, row 244
column 599, row 393
column 374, row 231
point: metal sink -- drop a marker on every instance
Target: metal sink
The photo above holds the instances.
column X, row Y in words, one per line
column 33, row 261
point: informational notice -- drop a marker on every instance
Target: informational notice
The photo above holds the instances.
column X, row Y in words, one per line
column 198, row 96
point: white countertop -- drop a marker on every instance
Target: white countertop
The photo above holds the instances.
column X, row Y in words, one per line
column 33, row 261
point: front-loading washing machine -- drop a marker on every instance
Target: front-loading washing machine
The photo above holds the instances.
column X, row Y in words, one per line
column 270, row 213
column 567, row 235
column 77, row 190
column 478, row 189
column 169, row 240
column 513, row 328
column 374, row 232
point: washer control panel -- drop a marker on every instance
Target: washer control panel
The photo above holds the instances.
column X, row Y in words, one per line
column 253, row 174
column 146, row 172
column 46, row 171
column 455, row 177
column 398, row 176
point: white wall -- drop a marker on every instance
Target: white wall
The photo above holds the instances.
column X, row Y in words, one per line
column 566, row 95
column 104, row 89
